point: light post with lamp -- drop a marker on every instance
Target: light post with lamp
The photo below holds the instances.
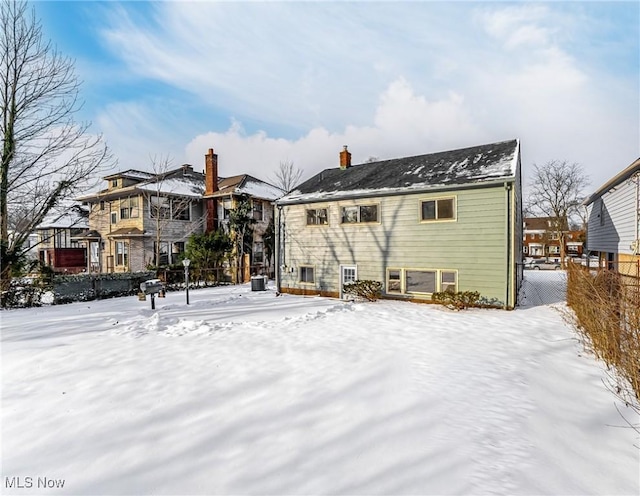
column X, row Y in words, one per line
column 186, row 263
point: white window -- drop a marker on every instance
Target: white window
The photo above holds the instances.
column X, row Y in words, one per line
column 525, row 249
column 129, row 208
column 359, row 213
column 114, row 217
column 317, row 217
column 421, row 281
column 448, row 282
column 122, row 253
column 227, row 206
column 307, row 275
column 394, row 281
column 438, row 209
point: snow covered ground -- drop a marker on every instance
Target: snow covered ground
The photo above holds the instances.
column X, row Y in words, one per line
column 247, row 393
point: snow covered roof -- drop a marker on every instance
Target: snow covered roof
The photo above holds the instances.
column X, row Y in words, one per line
column 66, row 217
column 478, row 164
column 182, row 181
column 245, row 184
column 179, row 186
column 132, row 174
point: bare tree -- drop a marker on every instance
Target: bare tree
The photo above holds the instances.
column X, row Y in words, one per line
column 555, row 192
column 287, row 176
column 46, row 155
column 167, row 205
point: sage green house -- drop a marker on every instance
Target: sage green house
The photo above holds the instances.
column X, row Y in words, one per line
column 448, row 221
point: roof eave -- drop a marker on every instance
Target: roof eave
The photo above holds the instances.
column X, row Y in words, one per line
column 634, row 168
column 400, row 191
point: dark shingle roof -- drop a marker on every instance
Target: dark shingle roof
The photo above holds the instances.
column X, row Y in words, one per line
column 450, row 168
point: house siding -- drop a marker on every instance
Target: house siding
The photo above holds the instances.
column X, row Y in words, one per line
column 616, row 229
column 475, row 244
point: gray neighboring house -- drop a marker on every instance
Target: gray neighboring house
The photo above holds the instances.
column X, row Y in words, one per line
column 448, row 221
column 613, row 225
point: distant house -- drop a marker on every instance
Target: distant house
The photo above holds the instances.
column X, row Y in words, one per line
column 613, row 212
column 448, row 221
column 126, row 217
column 143, row 219
column 222, row 197
column 541, row 239
column 59, row 244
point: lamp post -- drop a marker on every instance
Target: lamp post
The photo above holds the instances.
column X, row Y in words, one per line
column 186, row 263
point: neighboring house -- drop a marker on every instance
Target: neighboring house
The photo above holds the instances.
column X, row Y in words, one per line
column 224, row 196
column 58, row 243
column 541, row 239
column 613, row 212
column 448, row 221
column 138, row 211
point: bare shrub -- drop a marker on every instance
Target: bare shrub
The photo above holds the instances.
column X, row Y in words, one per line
column 457, row 301
column 607, row 313
column 368, row 290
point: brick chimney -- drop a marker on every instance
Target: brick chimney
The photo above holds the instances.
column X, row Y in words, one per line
column 345, row 158
column 210, row 187
column 210, row 172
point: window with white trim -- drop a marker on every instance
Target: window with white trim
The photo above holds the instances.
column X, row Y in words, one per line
column 317, row 217
column 307, row 274
column 394, row 281
column 359, row 214
column 122, row 253
column 438, row 209
column 129, row 208
column 114, row 217
column 421, row 281
column 448, row 281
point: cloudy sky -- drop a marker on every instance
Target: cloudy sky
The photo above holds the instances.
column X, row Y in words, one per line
column 268, row 82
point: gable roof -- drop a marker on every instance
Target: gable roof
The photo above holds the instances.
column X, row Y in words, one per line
column 449, row 169
column 66, row 217
column 634, row 168
column 542, row 223
column 130, row 174
column 183, row 182
column 245, row 184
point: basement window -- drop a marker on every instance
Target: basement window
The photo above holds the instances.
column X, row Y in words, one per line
column 307, row 275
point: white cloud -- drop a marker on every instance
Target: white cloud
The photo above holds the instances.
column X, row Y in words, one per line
column 385, row 79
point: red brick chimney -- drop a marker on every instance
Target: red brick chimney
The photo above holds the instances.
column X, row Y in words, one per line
column 345, row 158
column 210, row 187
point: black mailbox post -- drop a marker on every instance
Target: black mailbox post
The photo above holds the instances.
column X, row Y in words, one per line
column 152, row 287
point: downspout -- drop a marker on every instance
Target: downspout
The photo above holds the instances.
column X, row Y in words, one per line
column 509, row 243
column 279, row 250
column 637, row 240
